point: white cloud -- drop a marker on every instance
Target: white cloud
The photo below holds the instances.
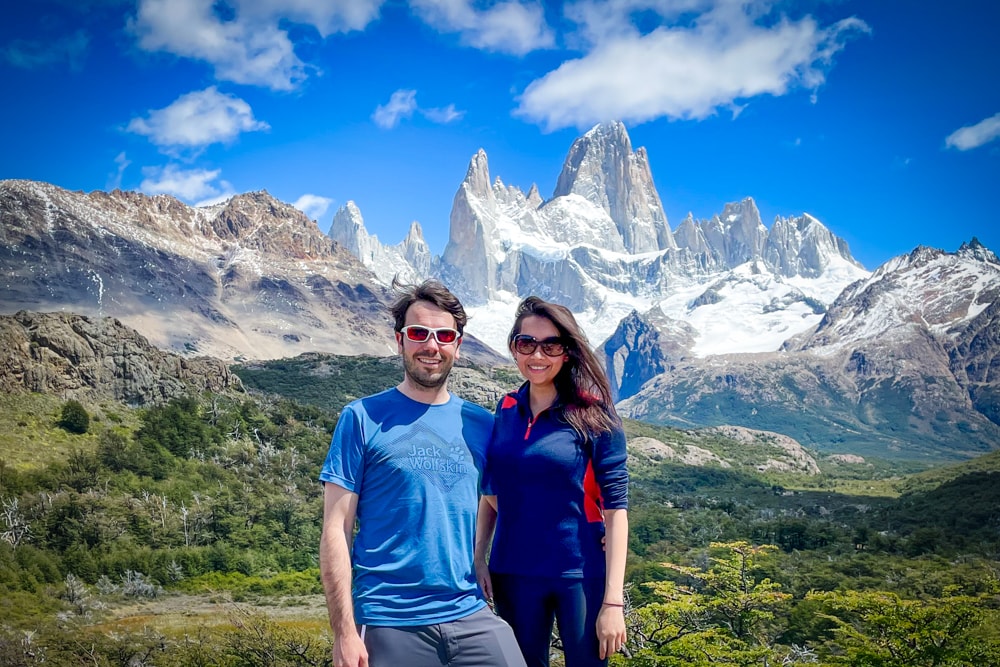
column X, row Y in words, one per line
column 327, row 16
column 313, row 206
column 241, row 51
column 246, row 41
column 122, row 162
column 190, row 185
column 249, row 47
column 401, row 105
column 973, row 136
column 198, row 119
column 442, row 115
column 704, row 55
column 508, row 27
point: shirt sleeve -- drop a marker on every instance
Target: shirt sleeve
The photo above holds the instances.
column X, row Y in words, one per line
column 344, row 464
column 609, row 468
column 486, row 486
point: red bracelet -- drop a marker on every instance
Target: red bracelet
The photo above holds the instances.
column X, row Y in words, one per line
column 613, row 604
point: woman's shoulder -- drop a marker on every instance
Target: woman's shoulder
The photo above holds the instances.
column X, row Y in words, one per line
column 512, row 399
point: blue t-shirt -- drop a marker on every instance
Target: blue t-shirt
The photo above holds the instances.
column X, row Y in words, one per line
column 416, row 469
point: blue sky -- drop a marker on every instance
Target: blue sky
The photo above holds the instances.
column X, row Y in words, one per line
column 879, row 117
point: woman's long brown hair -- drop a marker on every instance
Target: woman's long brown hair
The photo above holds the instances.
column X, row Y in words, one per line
column 581, row 384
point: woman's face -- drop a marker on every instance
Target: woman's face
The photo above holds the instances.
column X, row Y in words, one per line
column 538, row 368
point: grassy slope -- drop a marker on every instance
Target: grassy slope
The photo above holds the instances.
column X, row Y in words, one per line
column 30, row 436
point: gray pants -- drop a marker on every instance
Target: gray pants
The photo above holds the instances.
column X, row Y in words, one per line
column 481, row 639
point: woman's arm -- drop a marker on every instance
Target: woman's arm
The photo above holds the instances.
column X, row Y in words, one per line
column 611, row 619
column 610, row 457
column 486, row 522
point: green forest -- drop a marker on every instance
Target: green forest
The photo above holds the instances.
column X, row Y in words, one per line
column 209, row 506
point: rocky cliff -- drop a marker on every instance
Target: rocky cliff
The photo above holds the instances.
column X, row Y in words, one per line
column 99, row 358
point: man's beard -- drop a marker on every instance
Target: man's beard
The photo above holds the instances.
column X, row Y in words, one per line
column 424, row 378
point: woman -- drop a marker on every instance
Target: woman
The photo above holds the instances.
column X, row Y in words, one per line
column 557, row 469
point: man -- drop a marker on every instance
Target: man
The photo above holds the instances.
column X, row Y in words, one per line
column 407, row 463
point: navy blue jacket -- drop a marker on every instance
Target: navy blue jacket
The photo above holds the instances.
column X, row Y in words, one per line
column 552, row 487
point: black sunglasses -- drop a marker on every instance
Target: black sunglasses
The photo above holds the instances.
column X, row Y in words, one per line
column 419, row 334
column 551, row 347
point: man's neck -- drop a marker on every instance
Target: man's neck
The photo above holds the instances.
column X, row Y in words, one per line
column 421, row 394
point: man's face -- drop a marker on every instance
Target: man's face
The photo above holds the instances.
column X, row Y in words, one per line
column 428, row 364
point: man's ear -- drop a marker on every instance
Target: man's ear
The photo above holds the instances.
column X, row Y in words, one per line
column 399, row 342
column 458, row 346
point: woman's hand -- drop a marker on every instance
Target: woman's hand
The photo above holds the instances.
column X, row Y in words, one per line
column 610, row 630
column 483, row 577
column 486, row 521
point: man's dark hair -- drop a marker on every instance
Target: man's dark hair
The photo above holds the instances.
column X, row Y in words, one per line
column 431, row 291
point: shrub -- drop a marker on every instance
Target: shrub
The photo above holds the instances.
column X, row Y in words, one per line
column 74, row 417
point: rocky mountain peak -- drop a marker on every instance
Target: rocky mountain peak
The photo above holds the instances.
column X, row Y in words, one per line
column 348, row 229
column 471, row 250
column 407, row 260
column 164, row 213
column 689, row 236
column 804, row 246
column 977, row 250
column 417, row 252
column 415, row 235
column 533, row 197
column 257, row 220
column 477, row 176
column 737, row 233
column 642, row 347
column 602, row 168
column 928, row 293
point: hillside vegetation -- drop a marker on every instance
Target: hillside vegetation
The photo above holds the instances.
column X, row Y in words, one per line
column 214, row 499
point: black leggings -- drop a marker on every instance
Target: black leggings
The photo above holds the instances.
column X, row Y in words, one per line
column 530, row 604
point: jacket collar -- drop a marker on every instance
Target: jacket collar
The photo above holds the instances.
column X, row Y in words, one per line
column 523, row 401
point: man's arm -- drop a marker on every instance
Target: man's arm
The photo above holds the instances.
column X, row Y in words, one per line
column 486, row 521
column 340, row 508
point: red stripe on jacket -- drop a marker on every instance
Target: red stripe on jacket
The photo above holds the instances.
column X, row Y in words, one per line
column 593, row 503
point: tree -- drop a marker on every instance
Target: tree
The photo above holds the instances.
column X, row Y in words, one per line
column 880, row 629
column 176, row 427
column 722, row 615
column 16, row 526
column 74, row 417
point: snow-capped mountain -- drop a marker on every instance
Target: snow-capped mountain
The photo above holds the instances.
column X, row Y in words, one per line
column 907, row 360
column 602, row 246
column 722, row 321
column 252, row 277
column 929, row 290
column 602, row 168
column 408, row 260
